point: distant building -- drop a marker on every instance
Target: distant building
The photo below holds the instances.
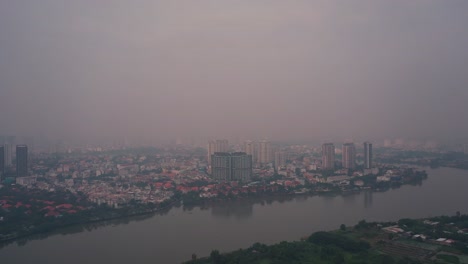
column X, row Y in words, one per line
column 25, row 181
column 222, row 145
column 280, row 159
column 2, row 162
column 211, row 150
column 328, row 156
column 264, row 152
column 251, row 148
column 241, row 167
column 349, row 156
column 231, row 166
column 8, row 155
column 367, row 155
column 21, row 161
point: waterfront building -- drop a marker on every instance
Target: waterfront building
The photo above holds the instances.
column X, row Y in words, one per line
column 264, row 152
column 349, row 156
column 21, row 160
column 235, row 166
column 367, row 155
column 241, row 167
column 328, row 156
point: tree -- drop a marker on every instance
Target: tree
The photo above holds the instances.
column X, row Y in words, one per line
column 342, row 227
column 194, row 257
column 215, row 256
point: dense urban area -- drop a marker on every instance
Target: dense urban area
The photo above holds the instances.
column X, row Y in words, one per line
column 46, row 190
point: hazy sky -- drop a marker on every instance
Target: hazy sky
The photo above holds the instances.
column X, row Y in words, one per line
column 247, row 68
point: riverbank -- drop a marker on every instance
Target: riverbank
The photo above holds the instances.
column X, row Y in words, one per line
column 188, row 201
column 405, row 241
column 174, row 236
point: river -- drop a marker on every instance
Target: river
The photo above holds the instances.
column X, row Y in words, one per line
column 172, row 237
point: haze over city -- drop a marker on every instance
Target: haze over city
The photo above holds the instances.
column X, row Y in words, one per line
column 282, row 70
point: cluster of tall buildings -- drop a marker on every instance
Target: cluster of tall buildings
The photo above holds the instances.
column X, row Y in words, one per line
column 6, row 160
column 348, row 159
column 261, row 152
column 235, row 166
column 220, row 145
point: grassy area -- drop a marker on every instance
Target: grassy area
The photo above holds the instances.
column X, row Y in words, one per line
column 448, row 258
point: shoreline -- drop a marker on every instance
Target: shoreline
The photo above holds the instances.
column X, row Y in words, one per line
column 211, row 202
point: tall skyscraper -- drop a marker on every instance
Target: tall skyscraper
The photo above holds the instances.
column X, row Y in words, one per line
column 241, row 167
column 231, row 166
column 280, row 159
column 349, row 156
column 2, row 162
column 264, row 152
column 221, row 166
column 8, row 155
column 367, row 155
column 211, row 150
column 328, row 156
column 250, row 147
column 21, row 160
column 222, row 145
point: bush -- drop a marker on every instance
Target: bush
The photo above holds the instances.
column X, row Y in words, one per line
column 345, row 243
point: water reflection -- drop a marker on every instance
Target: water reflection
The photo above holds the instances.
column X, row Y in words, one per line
column 239, row 209
column 368, row 199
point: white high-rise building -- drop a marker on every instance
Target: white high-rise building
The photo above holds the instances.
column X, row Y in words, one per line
column 280, row 159
column 211, row 149
column 250, row 147
column 264, row 152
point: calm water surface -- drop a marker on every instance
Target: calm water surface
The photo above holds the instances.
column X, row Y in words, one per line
column 174, row 236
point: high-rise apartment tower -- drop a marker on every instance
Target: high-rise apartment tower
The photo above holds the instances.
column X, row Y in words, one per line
column 367, row 155
column 21, row 160
column 349, row 156
column 328, row 156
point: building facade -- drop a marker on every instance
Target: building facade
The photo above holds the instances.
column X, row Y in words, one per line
column 231, row 166
column 328, row 156
column 367, row 155
column 264, row 152
column 241, row 167
column 8, row 154
column 21, row 161
column 280, row 159
column 211, row 150
column 222, row 145
column 349, row 156
column 251, row 148
column 2, row 162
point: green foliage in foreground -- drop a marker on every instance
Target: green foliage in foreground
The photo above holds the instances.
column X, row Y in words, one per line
column 320, row 248
column 449, row 258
